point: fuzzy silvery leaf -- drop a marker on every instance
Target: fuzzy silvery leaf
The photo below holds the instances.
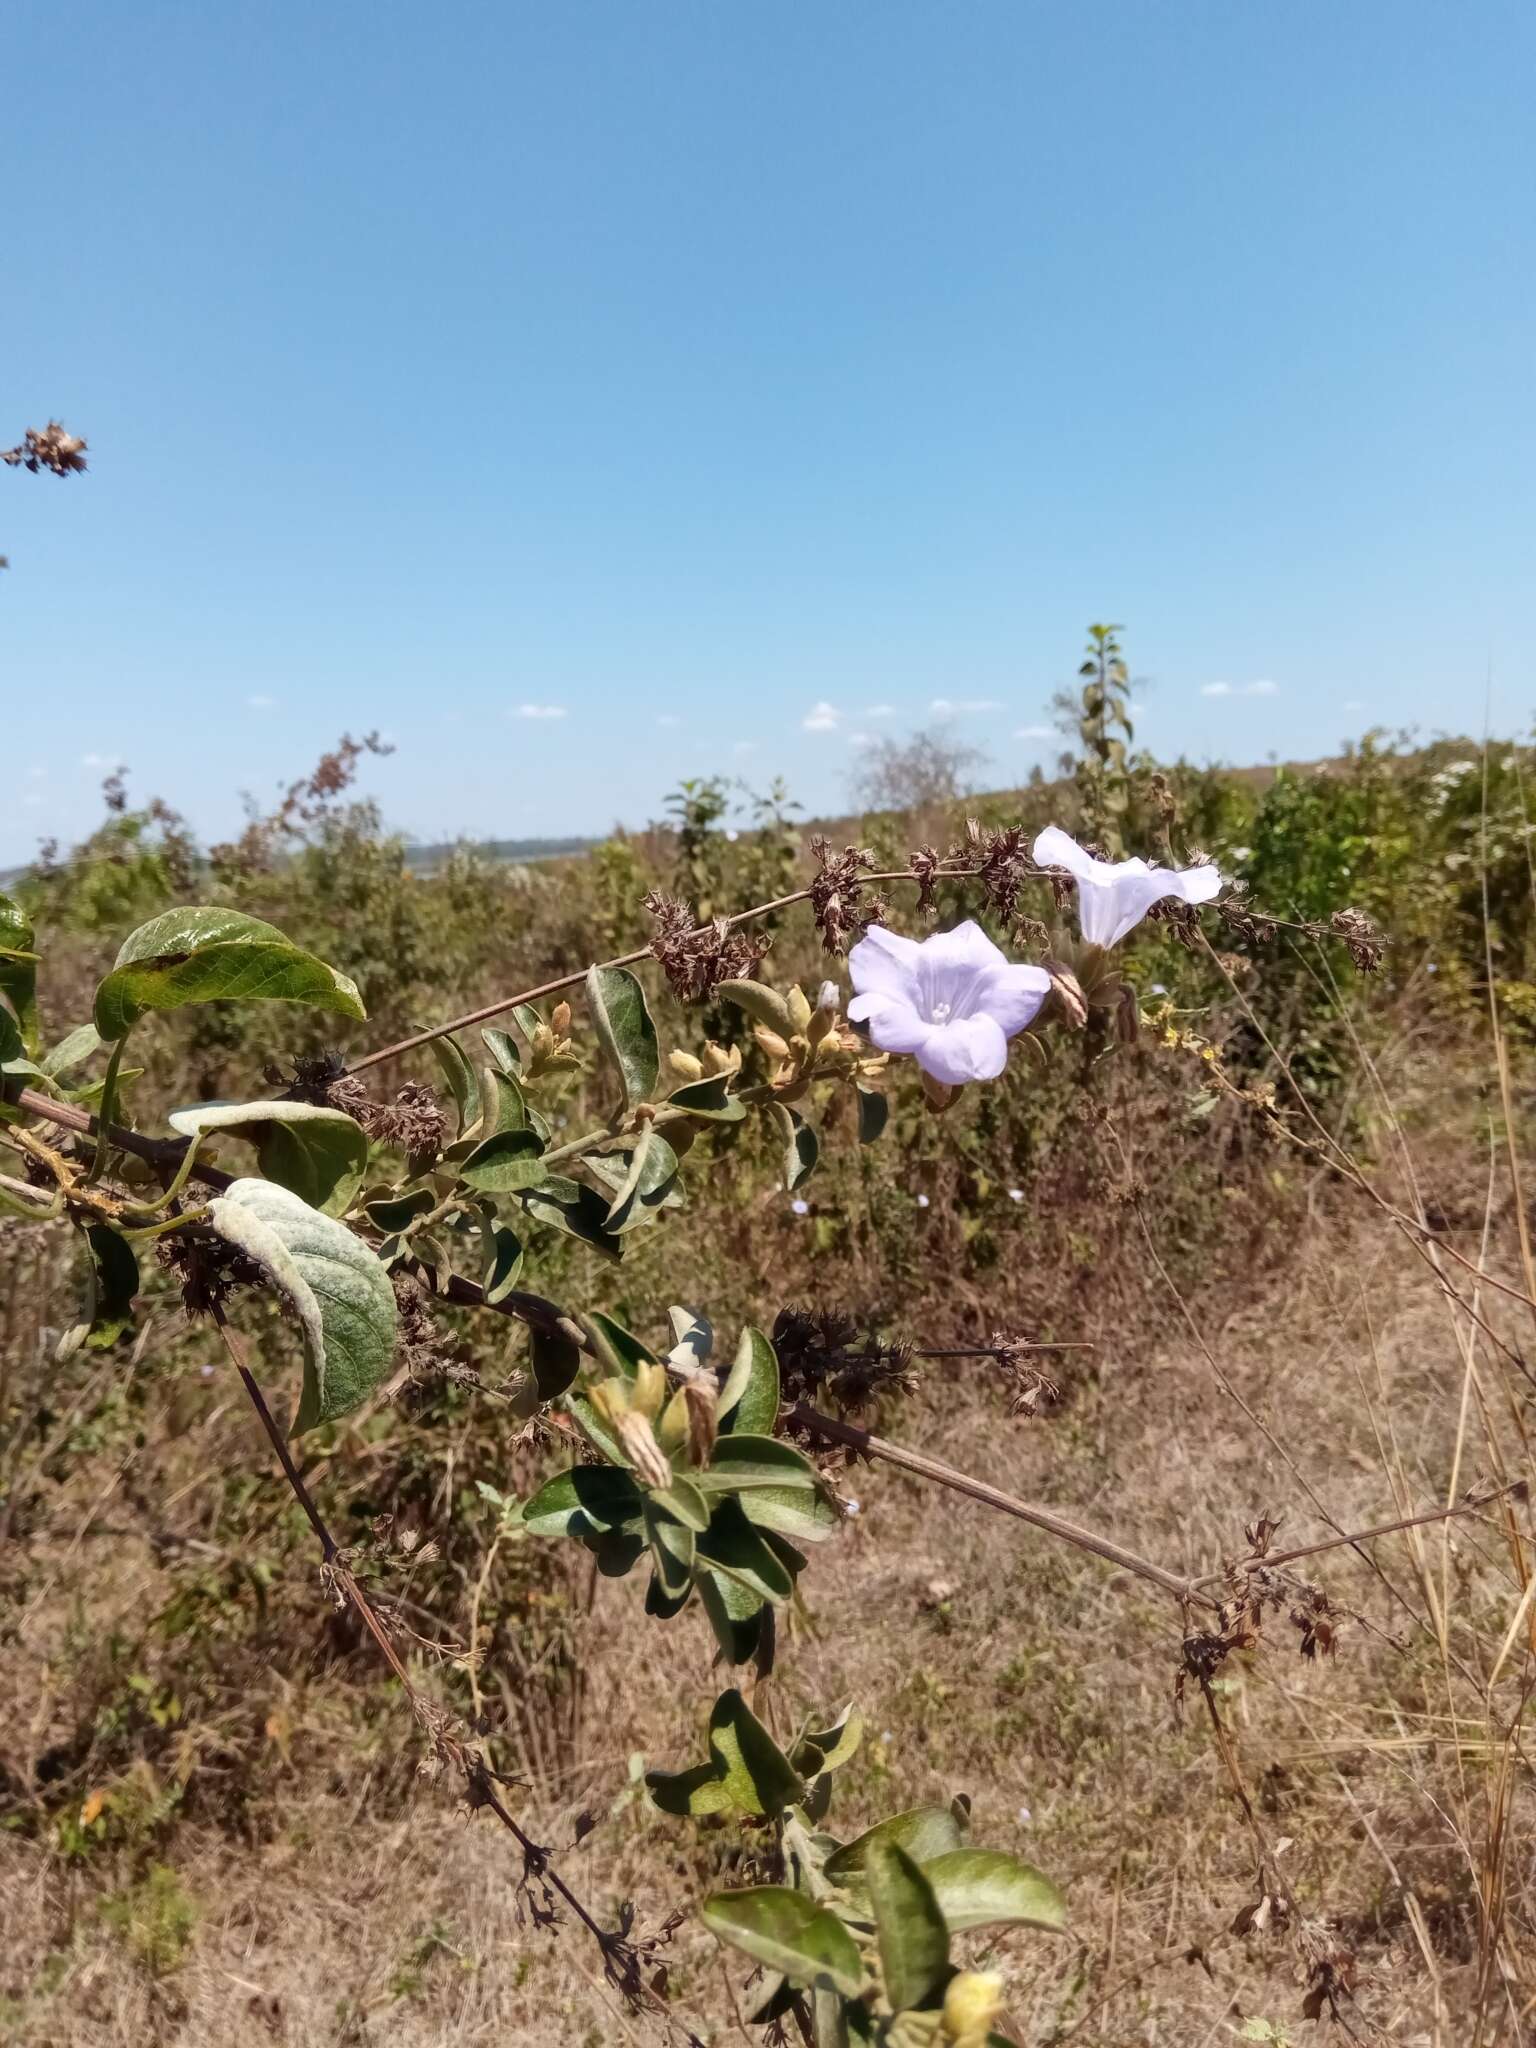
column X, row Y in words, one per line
column 624, row 1030
column 463, row 1082
column 923, row 1831
column 742, row 1461
column 983, row 1887
column 206, row 956
column 802, row 1147
column 672, row 1552
column 737, row 1615
column 828, row 1749
column 752, row 1773
column 643, row 1180
column 72, row 1051
column 783, row 1929
column 693, row 1339
column 336, row 1287
column 502, row 1105
column 914, row 1941
column 503, row 1049
column 508, row 1163
column 738, row 1551
column 503, row 1260
column 587, row 1500
column 320, row 1155
column 684, row 1502
column 748, row 1403
column 762, row 1004
column 571, row 1206
column 709, row 1099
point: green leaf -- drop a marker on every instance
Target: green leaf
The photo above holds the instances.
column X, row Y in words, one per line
column 394, row 1213
column 71, row 1051
column 18, row 968
column 336, row 1287
column 624, row 1030
column 13, row 1054
column 739, row 1462
column 748, row 1403
column 320, row 1155
column 207, row 956
column 693, row 1339
column 556, row 1360
column 503, row 1261
column 977, row 1887
column 924, row 1832
column 802, row 1512
column 672, row 1552
column 914, row 1942
column 506, row 1164
column 736, row 1615
column 114, row 1283
column 874, row 1114
column 784, row 1930
column 503, row 1049
column 802, row 1147
column 758, row 1777
column 762, row 1004
column 683, row 1500
column 618, row 1349
column 571, row 1206
column 828, row 1749
column 502, row 1105
column 644, row 1180
column 463, row 1084
column 737, row 1551
column 587, row 1500
column 709, row 1099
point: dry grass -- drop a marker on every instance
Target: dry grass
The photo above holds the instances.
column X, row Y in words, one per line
column 357, row 1905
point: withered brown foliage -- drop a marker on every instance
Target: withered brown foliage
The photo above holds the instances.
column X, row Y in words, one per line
column 823, row 1357
column 697, row 958
column 841, row 901
column 52, row 448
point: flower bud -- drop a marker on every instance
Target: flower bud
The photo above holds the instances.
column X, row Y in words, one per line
column 799, row 1007
column 638, row 1440
column 560, row 1020
column 685, row 1066
column 828, row 997
column 971, row 2005
column 719, row 1061
column 771, row 1043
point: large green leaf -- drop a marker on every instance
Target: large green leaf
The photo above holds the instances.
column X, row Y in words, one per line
column 749, row 1401
column 923, row 1831
column 977, row 1887
column 571, row 1206
column 737, row 1615
column 783, row 1929
column 18, row 968
column 463, row 1083
column 72, row 1050
column 742, row 1461
column 334, row 1284
column 914, row 1941
column 801, row 1512
column 749, row 1773
column 737, row 1550
column 710, row 1099
column 643, row 1180
column 672, row 1552
column 209, row 956
column 320, row 1155
column 584, row 1501
column 624, row 1030
column 506, row 1164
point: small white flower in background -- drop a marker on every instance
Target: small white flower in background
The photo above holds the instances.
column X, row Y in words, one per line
column 851, row 1507
column 953, row 1000
column 206, row 1371
column 1113, row 896
column 1025, row 1816
column 1430, row 967
column 922, row 1201
column 1157, row 989
column 1015, row 1194
column 800, row 1206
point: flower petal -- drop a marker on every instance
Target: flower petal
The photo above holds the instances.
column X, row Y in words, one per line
column 894, row 1024
column 1012, row 994
column 964, row 951
column 1054, row 848
column 974, row 1049
column 884, row 963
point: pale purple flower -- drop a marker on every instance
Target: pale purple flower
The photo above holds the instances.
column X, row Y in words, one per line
column 1113, row 896
column 800, row 1206
column 953, row 1000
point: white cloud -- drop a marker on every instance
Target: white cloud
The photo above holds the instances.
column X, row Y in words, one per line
column 1034, row 732
column 261, row 702
column 1262, row 688
column 881, row 711
column 745, row 747
column 539, row 711
column 946, row 707
column 97, row 761
column 668, row 718
column 1216, row 689
column 822, row 717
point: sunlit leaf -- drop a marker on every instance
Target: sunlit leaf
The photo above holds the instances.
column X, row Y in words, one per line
column 318, row 1154
column 914, row 1941
column 924, row 1832
column 977, row 1887
column 204, row 956
column 748, row 1403
column 783, row 1929
column 624, row 1030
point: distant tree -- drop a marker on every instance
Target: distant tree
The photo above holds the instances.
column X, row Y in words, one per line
column 930, row 769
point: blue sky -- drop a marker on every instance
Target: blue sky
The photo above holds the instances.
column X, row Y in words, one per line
column 707, row 377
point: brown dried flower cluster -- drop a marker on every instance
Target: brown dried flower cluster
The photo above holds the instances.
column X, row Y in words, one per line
column 1031, row 1389
column 208, row 1266
column 697, row 958
column 413, row 1120
column 840, row 900
column 822, row 1356
column 51, row 448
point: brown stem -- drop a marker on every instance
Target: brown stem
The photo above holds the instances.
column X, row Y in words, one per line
column 1517, row 1490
